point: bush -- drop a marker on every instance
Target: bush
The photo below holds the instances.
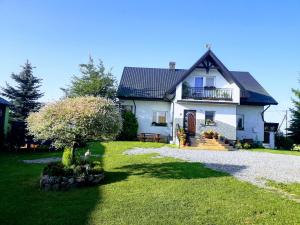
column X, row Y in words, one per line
column 130, row 127
column 238, row 145
column 75, row 120
column 246, row 145
column 296, row 147
column 81, row 169
column 57, row 169
column 67, row 158
column 283, row 142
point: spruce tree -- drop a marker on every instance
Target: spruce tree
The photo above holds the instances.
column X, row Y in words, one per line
column 294, row 129
column 24, row 96
column 93, row 81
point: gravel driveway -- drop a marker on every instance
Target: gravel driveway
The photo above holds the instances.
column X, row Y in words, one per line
column 254, row 167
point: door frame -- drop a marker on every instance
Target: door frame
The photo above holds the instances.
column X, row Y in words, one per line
column 185, row 121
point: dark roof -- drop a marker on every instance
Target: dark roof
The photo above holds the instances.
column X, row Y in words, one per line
column 3, row 102
column 211, row 58
column 254, row 93
column 160, row 84
column 149, row 83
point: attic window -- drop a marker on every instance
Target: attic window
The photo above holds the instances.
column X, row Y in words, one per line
column 210, row 81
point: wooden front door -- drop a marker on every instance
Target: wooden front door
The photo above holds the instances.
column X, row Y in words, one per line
column 189, row 122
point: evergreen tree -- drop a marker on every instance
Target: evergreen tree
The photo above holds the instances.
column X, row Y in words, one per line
column 294, row 129
column 94, row 81
column 24, row 96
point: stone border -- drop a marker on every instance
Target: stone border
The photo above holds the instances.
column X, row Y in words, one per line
column 57, row 183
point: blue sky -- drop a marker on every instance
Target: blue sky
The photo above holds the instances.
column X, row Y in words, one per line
column 261, row 37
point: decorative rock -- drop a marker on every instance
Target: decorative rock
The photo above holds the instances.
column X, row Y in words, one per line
column 90, row 178
column 71, row 180
column 57, row 183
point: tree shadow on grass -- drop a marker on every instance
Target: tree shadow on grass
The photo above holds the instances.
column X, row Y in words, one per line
column 176, row 170
column 22, row 197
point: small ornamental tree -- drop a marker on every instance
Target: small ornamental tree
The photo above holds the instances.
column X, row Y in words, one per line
column 130, row 127
column 71, row 121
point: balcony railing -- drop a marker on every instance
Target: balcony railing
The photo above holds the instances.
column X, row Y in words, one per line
column 205, row 93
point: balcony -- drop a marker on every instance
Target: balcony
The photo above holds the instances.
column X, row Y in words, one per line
column 207, row 93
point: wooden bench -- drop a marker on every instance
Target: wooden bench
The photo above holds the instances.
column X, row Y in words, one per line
column 149, row 137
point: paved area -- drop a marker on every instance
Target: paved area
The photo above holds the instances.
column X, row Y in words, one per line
column 253, row 167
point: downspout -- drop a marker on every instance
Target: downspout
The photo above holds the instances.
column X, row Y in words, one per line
column 134, row 106
column 262, row 113
column 173, row 123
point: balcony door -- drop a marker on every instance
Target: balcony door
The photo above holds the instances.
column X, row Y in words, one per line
column 198, row 82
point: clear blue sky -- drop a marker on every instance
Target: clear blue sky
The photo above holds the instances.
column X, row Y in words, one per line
column 262, row 37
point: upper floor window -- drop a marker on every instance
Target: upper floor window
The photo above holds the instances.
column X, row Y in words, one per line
column 240, row 122
column 210, row 118
column 159, row 118
column 210, row 82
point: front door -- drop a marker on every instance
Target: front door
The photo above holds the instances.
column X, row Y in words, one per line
column 189, row 122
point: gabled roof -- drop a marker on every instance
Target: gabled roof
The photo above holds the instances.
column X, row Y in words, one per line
column 208, row 59
column 3, row 102
column 148, row 83
column 157, row 83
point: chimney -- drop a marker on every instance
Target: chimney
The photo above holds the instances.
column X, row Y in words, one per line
column 172, row 65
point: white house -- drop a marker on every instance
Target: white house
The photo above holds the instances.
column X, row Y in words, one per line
column 207, row 96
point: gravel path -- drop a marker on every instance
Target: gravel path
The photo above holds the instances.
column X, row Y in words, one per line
column 253, row 167
column 42, row 160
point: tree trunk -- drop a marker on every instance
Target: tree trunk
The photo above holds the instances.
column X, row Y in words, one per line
column 73, row 151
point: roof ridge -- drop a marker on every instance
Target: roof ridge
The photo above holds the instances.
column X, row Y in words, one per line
column 138, row 67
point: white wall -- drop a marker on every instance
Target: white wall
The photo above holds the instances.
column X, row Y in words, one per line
column 144, row 114
column 225, row 113
column 220, row 82
column 253, row 123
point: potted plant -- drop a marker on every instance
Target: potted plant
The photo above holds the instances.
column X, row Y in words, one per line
column 216, row 135
column 209, row 134
column 181, row 136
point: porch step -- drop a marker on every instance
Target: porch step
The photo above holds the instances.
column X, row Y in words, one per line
column 210, row 144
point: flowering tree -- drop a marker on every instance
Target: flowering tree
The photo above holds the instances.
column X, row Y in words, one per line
column 75, row 120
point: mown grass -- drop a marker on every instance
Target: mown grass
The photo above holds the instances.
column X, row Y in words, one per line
column 275, row 151
column 291, row 188
column 138, row 189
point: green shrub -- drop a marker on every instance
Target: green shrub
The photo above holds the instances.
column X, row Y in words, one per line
column 246, row 145
column 283, row 142
column 54, row 169
column 67, row 158
column 296, row 147
column 130, row 127
column 238, row 145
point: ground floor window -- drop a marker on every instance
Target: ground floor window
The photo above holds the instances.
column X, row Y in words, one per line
column 210, row 118
column 240, row 122
column 159, row 118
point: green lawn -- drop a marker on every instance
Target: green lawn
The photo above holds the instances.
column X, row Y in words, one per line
column 275, row 151
column 138, row 190
column 291, row 188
